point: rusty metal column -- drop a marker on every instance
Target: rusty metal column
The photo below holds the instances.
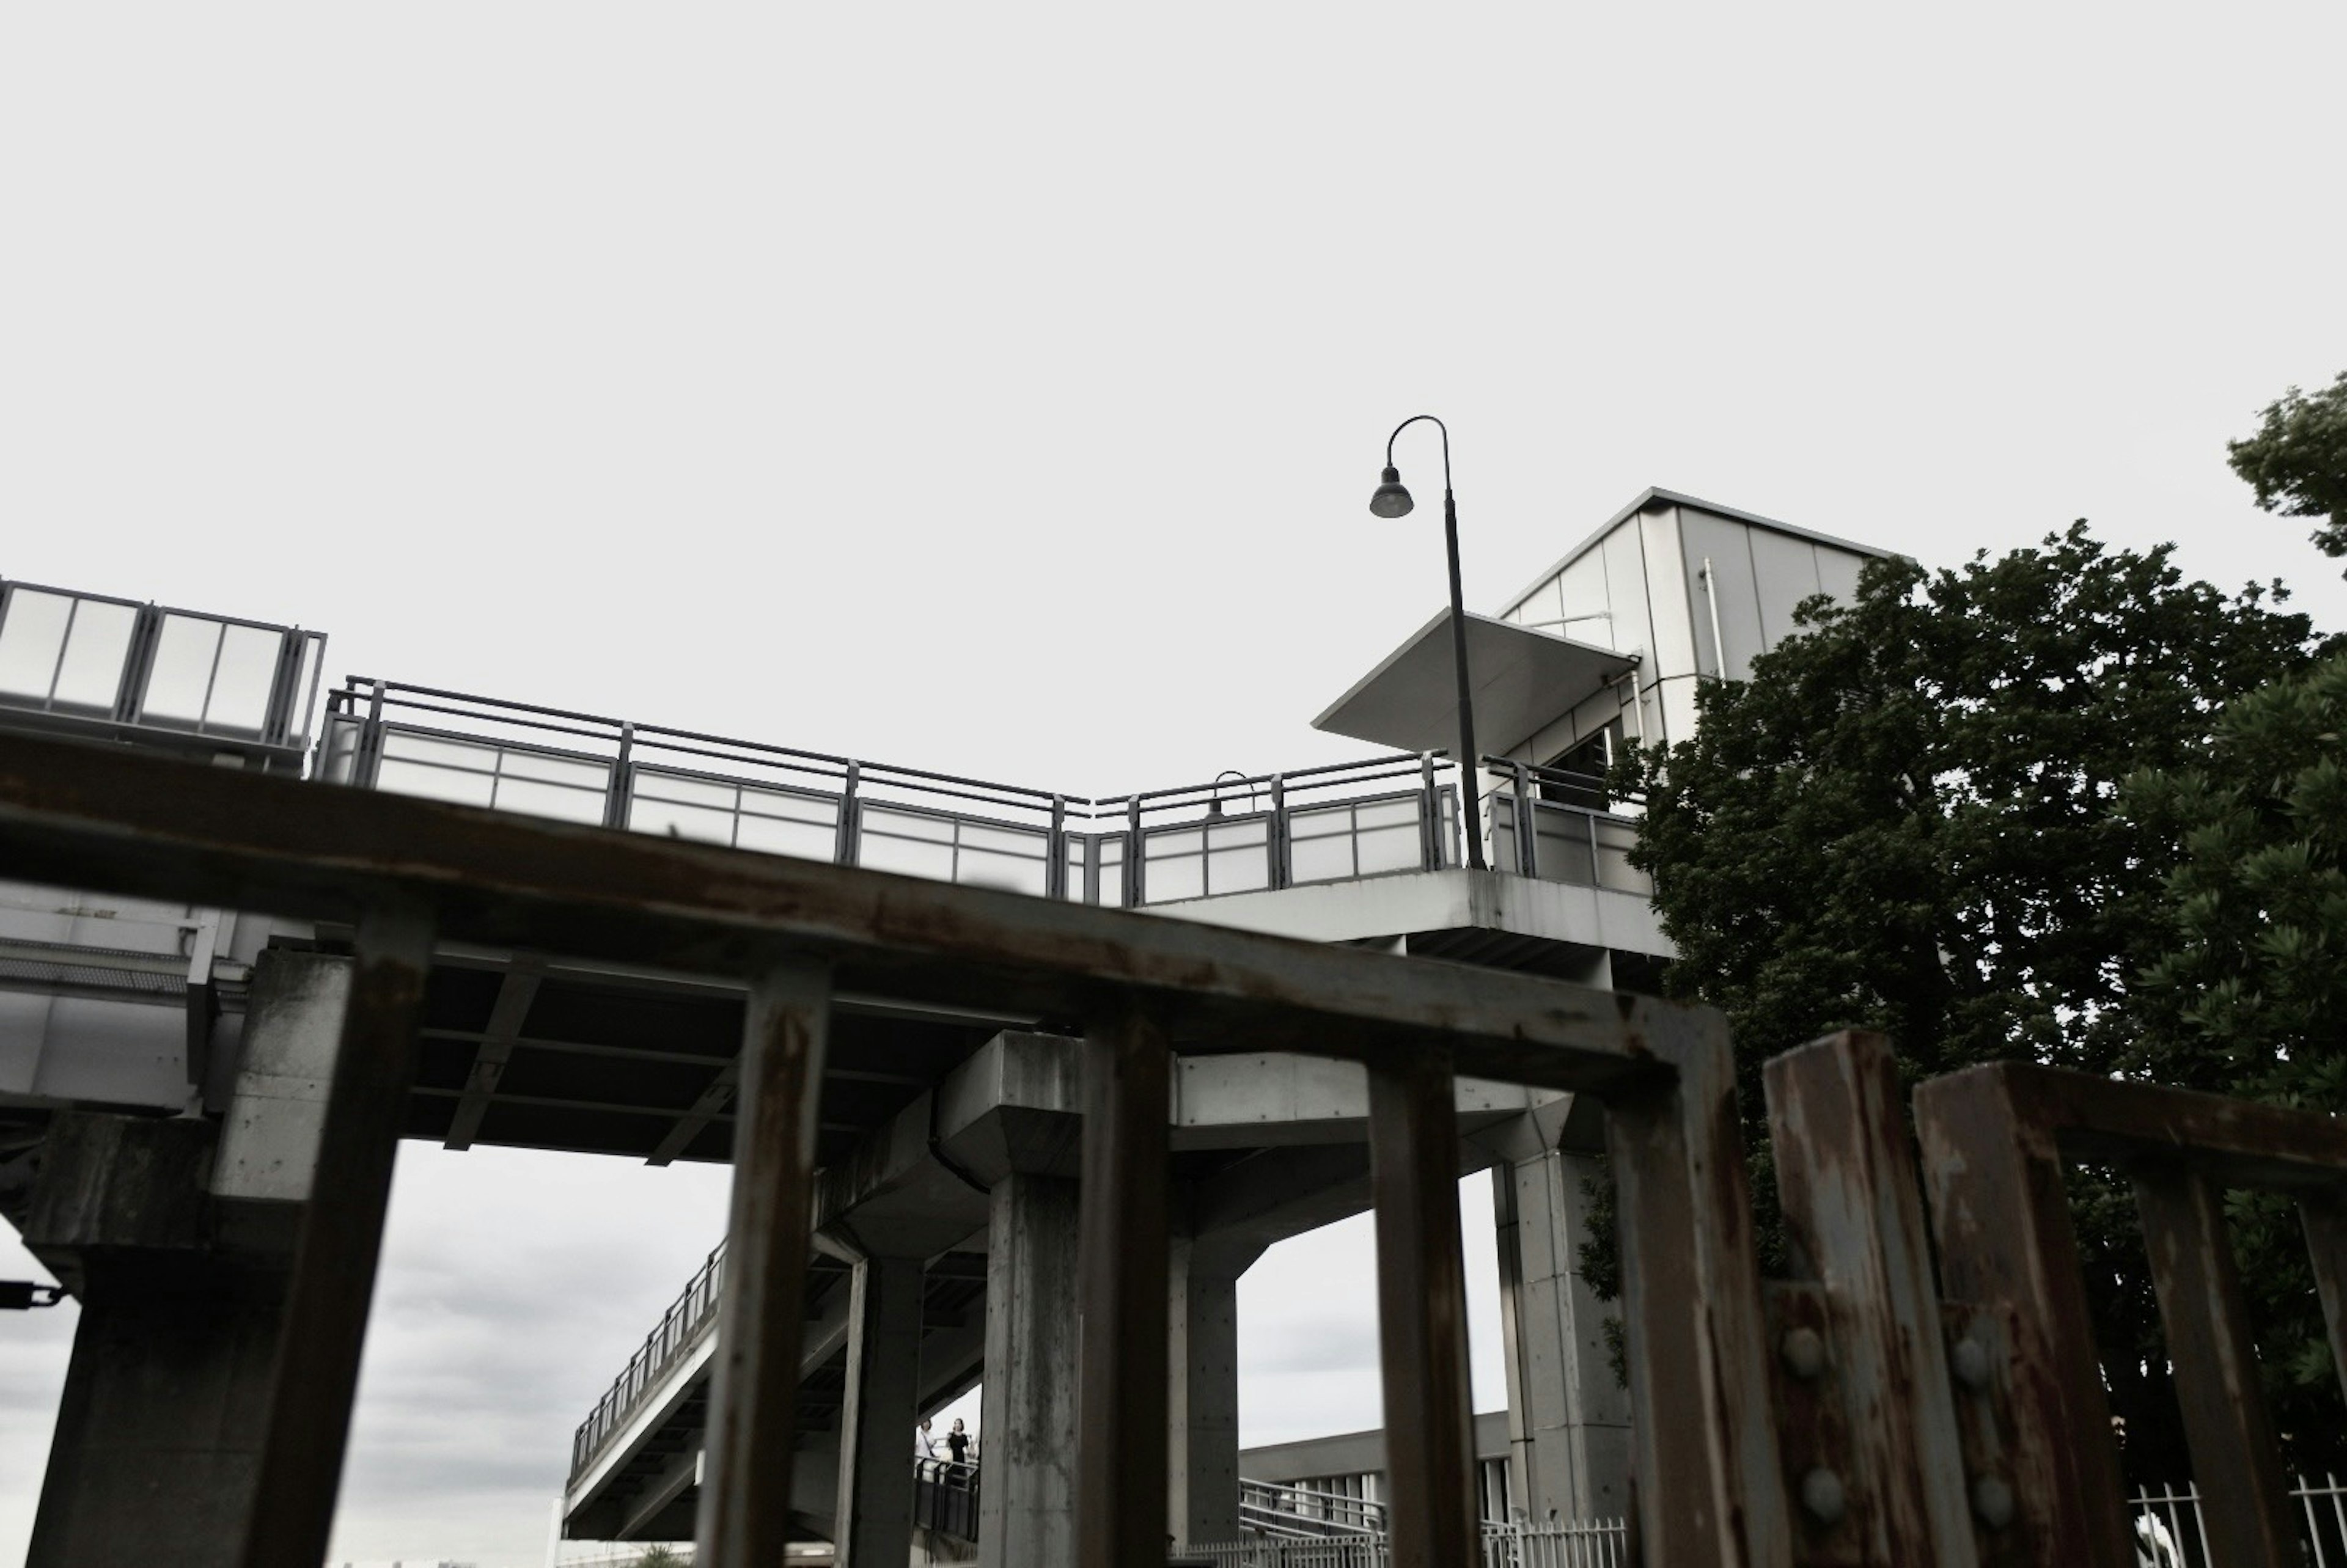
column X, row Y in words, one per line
column 1704, row 1460
column 1854, row 1210
column 1121, row 1294
column 2326, row 1220
column 2001, row 1218
column 1423, row 1311
column 323, row 1330
column 744, row 1518
column 2236, row 1462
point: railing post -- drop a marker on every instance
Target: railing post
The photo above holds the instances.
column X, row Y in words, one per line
column 744, row 1514
column 1055, row 850
column 1527, row 829
column 1136, row 879
column 367, row 766
column 1422, row 1310
column 843, row 851
column 1430, row 814
column 615, row 806
column 323, row 1330
column 1122, row 1265
column 1278, row 831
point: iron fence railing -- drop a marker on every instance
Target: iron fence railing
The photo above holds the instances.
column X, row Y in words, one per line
column 1238, row 833
column 945, row 1497
column 685, row 1324
column 1271, row 1508
column 2170, row 1531
column 1575, row 1544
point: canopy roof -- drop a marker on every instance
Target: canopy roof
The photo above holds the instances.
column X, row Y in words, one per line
column 1523, row 681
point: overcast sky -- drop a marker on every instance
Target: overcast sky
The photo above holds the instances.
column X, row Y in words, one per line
column 998, row 388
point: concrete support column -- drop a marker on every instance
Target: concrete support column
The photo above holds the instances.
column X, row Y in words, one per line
column 1568, row 1415
column 1201, row 1482
column 874, row 1521
column 176, row 1238
column 1027, row 1513
column 158, row 1443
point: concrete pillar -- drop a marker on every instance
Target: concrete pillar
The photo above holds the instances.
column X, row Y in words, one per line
column 175, row 1237
column 1202, row 1482
column 158, row 1442
column 1568, row 1415
column 1027, row 1500
column 873, row 1523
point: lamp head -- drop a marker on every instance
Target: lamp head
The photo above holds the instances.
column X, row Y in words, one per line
column 1392, row 500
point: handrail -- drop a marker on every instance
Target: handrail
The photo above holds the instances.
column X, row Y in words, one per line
column 1328, row 822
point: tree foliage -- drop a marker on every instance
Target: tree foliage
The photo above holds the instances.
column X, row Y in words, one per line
column 2298, row 460
column 1908, row 820
column 2250, row 995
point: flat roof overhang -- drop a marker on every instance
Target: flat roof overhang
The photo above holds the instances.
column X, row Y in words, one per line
column 1523, row 681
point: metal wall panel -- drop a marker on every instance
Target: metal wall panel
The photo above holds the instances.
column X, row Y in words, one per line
column 1784, row 572
column 1732, row 595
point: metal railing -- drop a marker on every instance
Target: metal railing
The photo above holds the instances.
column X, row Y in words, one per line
column 945, row 1497
column 1579, row 1543
column 2170, row 1533
column 1272, row 1509
column 1239, row 834
column 682, row 1326
column 85, row 661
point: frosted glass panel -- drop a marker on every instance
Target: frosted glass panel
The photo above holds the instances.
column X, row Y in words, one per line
column 1180, row 877
column 1011, row 873
column 182, row 674
column 807, row 840
column 536, row 799
column 30, row 642
column 248, row 666
column 668, row 819
column 404, row 777
column 909, row 857
column 95, row 649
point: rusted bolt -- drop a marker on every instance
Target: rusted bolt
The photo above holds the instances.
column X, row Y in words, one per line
column 1992, row 1501
column 1821, row 1494
column 1805, row 1353
column 1971, row 1361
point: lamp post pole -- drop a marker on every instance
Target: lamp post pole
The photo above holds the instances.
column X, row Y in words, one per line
column 1392, row 500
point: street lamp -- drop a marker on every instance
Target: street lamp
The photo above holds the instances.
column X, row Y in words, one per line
column 1392, row 500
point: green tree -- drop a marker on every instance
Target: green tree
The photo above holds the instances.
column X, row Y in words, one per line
column 2298, row 461
column 2250, row 995
column 662, row 1557
column 1907, row 821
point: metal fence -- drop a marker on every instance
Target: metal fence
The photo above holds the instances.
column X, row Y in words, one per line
column 1579, row 1544
column 180, row 676
column 2170, row 1531
column 1238, row 833
column 682, row 1326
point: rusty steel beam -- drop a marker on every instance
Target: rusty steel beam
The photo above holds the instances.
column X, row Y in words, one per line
column 516, row 993
column 2002, row 1219
column 1854, row 1214
column 2324, row 1218
column 113, row 820
column 744, row 1508
column 2239, row 1143
column 1703, row 1447
column 2245, row 1508
column 1422, row 1313
column 1122, row 1263
column 323, row 1330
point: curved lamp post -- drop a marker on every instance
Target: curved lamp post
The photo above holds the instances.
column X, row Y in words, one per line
column 1392, row 500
